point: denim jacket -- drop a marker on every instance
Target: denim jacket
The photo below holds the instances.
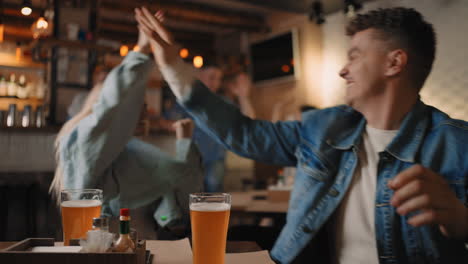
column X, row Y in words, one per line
column 101, row 152
column 324, row 149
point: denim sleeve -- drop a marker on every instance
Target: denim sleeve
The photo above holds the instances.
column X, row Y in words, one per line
column 255, row 139
column 98, row 138
column 185, row 174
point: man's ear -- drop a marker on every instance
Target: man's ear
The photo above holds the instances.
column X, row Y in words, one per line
column 396, row 62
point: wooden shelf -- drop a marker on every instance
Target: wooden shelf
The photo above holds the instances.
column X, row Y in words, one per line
column 73, row 85
column 20, row 103
column 73, row 44
column 10, row 62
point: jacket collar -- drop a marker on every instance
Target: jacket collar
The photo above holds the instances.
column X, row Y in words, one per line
column 404, row 146
column 407, row 142
column 347, row 131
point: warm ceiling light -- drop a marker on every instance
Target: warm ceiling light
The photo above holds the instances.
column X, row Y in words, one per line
column 26, row 7
column 136, row 48
column 198, row 61
column 42, row 23
column 123, row 50
column 2, row 28
column 184, row 53
column 41, row 28
column 26, row 11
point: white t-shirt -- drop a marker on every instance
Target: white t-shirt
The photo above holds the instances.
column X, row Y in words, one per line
column 353, row 223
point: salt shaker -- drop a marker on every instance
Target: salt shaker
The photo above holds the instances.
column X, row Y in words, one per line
column 101, row 223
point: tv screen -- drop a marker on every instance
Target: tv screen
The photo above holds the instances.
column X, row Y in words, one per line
column 273, row 58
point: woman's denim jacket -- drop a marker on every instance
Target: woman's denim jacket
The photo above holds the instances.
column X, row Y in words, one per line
column 101, row 152
column 324, row 149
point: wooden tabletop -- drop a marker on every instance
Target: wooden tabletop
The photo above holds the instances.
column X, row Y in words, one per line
column 231, row 246
column 5, row 244
column 256, row 202
column 238, row 252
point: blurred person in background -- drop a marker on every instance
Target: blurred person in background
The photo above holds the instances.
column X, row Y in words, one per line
column 238, row 90
column 213, row 153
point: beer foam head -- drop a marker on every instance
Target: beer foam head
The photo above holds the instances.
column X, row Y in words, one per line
column 81, row 203
column 210, row 207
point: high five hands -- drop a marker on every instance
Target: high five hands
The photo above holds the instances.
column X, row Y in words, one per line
column 421, row 190
column 164, row 49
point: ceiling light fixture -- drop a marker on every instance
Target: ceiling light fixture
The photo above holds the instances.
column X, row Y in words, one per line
column 316, row 13
column 2, row 29
column 351, row 7
column 198, row 61
column 26, row 8
column 41, row 28
column 184, row 53
column 123, row 50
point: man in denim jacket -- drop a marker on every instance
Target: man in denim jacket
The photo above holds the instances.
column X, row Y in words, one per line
column 387, row 173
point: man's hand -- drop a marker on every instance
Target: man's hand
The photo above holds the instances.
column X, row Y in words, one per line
column 177, row 74
column 421, row 190
column 162, row 41
column 242, row 85
column 183, row 128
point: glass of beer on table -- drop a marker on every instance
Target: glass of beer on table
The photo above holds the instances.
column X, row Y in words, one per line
column 79, row 207
column 209, row 217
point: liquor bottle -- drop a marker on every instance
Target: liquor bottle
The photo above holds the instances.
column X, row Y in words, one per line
column 12, row 86
column 124, row 243
column 22, row 91
column 3, row 86
column 281, row 180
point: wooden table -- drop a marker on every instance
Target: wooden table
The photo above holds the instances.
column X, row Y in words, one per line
column 179, row 252
column 251, row 208
column 231, row 247
column 256, row 202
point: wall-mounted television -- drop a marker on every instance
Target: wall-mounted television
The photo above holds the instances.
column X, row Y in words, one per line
column 275, row 58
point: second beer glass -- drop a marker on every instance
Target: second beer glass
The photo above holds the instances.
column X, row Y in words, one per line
column 209, row 217
column 79, row 207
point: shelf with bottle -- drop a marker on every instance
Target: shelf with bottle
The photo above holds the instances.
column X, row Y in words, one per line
column 20, row 91
column 5, row 103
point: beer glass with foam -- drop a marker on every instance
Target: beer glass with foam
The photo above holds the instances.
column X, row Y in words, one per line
column 79, row 207
column 209, row 217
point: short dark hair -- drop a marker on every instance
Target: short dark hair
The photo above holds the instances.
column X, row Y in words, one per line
column 210, row 62
column 305, row 108
column 406, row 29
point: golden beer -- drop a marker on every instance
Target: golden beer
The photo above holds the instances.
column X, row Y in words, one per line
column 78, row 212
column 77, row 218
column 209, row 221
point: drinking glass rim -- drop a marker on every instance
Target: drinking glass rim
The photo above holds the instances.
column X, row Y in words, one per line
column 81, row 190
column 207, row 194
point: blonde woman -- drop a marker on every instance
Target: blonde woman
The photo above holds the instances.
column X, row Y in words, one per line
column 96, row 149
